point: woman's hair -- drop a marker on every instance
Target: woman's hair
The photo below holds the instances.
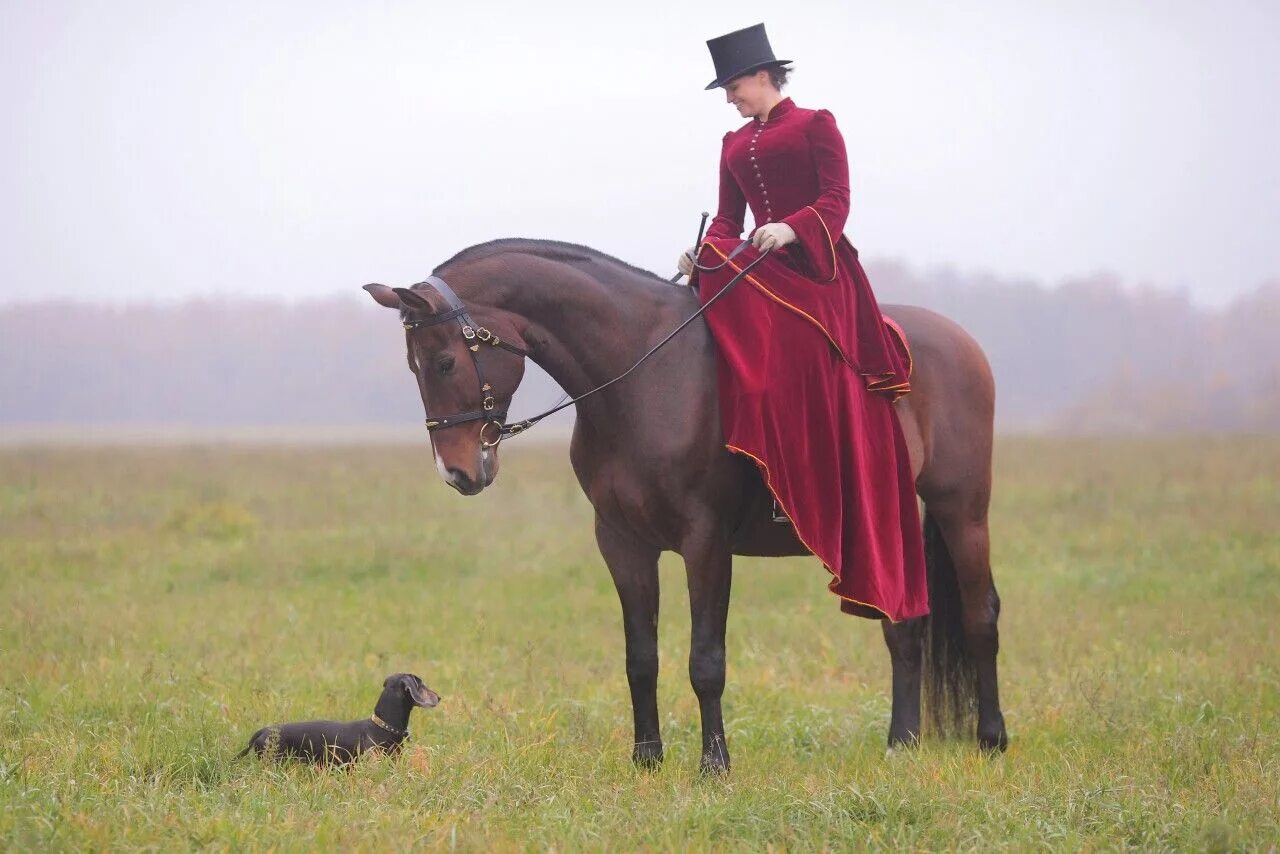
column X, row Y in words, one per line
column 778, row 75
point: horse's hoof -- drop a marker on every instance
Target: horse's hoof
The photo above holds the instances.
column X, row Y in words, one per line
column 715, row 758
column 894, row 752
column 907, row 742
column 993, row 743
column 647, row 757
column 712, row 766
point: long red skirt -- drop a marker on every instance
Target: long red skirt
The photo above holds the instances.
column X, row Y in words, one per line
column 808, row 373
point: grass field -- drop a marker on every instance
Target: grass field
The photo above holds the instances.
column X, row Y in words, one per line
column 158, row 606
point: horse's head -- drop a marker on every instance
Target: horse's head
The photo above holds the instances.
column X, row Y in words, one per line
column 466, row 382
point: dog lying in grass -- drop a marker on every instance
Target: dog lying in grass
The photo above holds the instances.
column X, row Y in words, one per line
column 334, row 742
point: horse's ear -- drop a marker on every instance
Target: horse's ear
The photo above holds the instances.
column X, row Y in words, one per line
column 415, row 300
column 383, row 295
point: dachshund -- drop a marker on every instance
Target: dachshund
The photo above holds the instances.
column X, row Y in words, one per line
column 326, row 742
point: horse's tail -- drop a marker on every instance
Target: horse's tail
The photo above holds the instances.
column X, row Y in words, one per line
column 950, row 678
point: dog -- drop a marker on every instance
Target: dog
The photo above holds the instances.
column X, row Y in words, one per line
column 334, row 742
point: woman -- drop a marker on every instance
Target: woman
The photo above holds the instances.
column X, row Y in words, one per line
column 808, row 367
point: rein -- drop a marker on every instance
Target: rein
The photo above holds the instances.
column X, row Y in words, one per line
column 476, row 335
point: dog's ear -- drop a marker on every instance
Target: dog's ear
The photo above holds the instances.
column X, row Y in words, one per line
column 419, row 694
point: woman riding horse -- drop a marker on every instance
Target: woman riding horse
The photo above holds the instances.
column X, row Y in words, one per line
column 806, row 374
column 808, row 367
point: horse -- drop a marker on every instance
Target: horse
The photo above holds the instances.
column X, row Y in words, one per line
column 648, row 452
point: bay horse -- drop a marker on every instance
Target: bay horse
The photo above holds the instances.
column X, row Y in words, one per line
column 648, row 452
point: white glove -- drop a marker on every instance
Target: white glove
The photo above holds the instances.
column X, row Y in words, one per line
column 772, row 235
column 685, row 264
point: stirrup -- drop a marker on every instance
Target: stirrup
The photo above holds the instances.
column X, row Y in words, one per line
column 778, row 515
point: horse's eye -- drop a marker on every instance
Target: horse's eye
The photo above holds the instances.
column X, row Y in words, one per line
column 445, row 364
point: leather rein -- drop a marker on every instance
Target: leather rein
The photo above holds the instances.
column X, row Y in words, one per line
column 476, row 335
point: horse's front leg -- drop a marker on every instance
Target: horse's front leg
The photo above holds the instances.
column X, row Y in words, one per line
column 634, row 566
column 708, row 563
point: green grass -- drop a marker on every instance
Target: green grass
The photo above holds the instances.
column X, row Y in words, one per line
column 158, row 606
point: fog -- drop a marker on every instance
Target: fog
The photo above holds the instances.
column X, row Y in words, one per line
column 155, row 151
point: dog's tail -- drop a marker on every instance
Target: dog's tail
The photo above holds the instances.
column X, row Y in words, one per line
column 255, row 743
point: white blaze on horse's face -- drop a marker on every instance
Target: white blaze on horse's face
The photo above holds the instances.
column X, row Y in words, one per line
column 468, row 479
column 440, row 466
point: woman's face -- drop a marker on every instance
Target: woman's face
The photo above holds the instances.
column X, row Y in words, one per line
column 752, row 94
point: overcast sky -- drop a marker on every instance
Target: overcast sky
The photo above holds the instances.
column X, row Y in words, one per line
column 162, row 149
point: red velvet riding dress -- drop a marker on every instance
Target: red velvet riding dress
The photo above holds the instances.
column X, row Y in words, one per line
column 808, row 369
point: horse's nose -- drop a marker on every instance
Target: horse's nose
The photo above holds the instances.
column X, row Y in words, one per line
column 462, row 482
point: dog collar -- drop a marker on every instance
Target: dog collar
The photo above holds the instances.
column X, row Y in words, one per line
column 379, row 722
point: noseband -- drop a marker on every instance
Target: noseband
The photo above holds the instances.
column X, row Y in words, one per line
column 473, row 335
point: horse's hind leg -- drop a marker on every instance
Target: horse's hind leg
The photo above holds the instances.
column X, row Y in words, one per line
column 906, row 649
column 964, row 529
column 634, row 566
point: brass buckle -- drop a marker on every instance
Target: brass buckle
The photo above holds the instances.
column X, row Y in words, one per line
column 467, row 332
column 484, row 334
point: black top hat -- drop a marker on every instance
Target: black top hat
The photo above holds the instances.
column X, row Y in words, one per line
column 741, row 52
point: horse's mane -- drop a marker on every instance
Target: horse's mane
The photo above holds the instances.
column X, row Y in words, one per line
column 551, row 250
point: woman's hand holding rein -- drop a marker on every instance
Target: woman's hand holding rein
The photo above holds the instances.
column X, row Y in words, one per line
column 772, row 235
column 685, row 264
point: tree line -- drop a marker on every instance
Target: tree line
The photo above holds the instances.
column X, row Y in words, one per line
column 1087, row 356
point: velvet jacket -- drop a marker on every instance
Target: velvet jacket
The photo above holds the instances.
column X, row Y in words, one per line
column 807, row 366
column 791, row 168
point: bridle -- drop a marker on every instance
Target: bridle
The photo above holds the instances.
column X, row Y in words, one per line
column 475, row 335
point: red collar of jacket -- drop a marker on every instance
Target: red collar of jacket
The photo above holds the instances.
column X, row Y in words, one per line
column 779, row 110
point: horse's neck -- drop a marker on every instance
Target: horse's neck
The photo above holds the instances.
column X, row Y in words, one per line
column 581, row 331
